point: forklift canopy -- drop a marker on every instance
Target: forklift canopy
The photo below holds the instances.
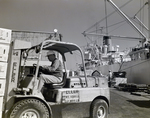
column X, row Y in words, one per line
column 61, row 47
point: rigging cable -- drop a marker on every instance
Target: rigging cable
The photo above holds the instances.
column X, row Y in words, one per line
column 102, row 28
column 108, row 26
column 141, row 8
column 107, row 16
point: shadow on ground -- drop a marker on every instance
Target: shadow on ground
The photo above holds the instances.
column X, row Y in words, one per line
column 141, row 103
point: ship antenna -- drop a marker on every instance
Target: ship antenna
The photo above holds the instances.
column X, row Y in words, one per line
column 106, row 18
column 149, row 16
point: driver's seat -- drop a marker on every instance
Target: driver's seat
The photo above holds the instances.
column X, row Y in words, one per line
column 57, row 85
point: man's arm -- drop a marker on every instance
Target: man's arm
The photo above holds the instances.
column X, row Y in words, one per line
column 53, row 67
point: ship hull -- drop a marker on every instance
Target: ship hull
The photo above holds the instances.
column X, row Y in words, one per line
column 137, row 71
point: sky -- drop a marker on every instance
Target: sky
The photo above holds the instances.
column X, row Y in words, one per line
column 70, row 17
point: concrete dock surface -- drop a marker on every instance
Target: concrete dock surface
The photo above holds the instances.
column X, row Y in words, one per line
column 125, row 105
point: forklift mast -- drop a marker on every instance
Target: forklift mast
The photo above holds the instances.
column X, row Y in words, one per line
column 14, row 62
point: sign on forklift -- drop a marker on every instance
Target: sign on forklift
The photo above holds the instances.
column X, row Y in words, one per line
column 70, row 96
column 22, row 80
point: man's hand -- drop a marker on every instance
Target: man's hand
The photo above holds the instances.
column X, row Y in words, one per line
column 41, row 68
column 44, row 66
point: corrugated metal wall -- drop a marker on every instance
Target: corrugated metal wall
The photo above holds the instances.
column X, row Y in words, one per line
column 33, row 37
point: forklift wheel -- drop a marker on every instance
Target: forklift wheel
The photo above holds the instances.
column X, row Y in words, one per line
column 29, row 108
column 99, row 109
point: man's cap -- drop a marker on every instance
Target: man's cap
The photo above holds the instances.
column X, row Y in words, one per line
column 50, row 53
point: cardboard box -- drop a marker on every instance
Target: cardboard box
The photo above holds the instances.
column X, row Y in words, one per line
column 0, row 114
column 5, row 35
column 2, row 87
column 1, row 105
column 4, row 51
column 3, row 69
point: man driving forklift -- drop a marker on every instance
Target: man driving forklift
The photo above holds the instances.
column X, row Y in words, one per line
column 50, row 73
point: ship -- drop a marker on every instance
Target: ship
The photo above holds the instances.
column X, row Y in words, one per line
column 135, row 62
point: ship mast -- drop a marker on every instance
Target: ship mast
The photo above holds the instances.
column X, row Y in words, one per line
column 149, row 18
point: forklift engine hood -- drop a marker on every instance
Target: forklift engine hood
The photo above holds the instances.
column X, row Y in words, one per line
column 92, row 81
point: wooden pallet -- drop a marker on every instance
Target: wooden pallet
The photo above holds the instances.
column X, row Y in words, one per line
column 131, row 87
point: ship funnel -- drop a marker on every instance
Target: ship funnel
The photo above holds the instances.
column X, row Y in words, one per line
column 107, row 41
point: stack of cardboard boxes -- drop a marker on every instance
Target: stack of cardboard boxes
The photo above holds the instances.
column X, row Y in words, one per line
column 5, row 40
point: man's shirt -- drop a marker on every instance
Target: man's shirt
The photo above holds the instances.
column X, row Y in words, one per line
column 54, row 69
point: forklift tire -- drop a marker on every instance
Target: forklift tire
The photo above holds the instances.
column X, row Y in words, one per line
column 29, row 108
column 99, row 109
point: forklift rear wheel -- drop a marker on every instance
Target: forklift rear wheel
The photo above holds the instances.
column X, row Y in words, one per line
column 99, row 109
column 29, row 108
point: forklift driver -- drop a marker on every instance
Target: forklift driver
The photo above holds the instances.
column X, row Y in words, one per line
column 50, row 73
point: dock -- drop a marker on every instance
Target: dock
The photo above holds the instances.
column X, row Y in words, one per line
column 124, row 104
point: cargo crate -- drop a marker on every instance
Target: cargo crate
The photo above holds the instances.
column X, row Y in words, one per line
column 4, row 50
column 5, row 35
column 3, row 69
column 2, row 87
column 1, row 105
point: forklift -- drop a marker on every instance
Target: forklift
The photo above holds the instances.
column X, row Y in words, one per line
column 91, row 91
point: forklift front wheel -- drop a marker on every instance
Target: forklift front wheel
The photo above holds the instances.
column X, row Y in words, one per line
column 99, row 109
column 29, row 108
